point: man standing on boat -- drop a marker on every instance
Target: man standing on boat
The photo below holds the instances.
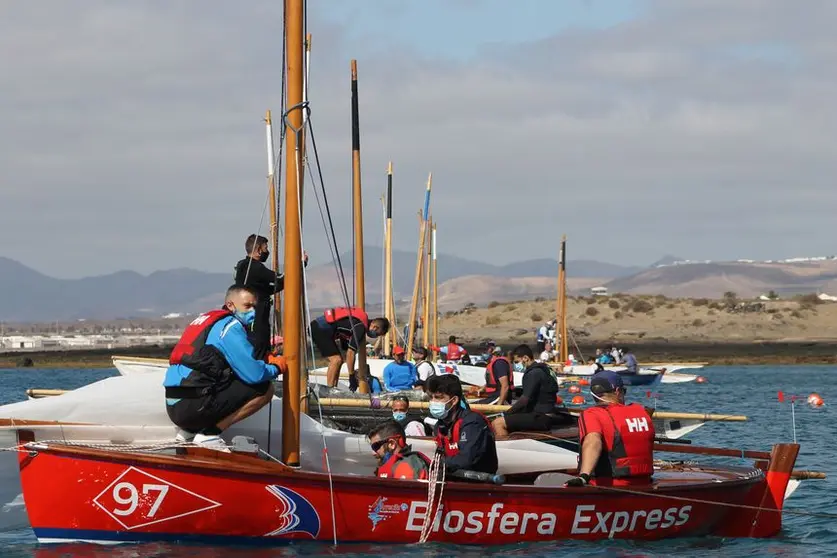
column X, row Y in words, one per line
column 617, row 440
column 213, row 381
column 424, row 368
column 349, row 326
column 396, row 458
column 535, row 410
column 463, row 436
column 252, row 272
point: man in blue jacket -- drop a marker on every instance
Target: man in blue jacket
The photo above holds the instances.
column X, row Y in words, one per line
column 400, row 374
column 213, row 381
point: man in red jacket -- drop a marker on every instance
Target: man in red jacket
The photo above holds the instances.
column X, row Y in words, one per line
column 617, row 440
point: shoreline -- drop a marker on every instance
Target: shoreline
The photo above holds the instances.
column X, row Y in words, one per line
column 714, row 353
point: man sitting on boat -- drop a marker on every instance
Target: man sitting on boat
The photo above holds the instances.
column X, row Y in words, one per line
column 617, row 440
column 252, row 272
column 424, row 368
column 499, row 380
column 400, row 374
column 213, row 381
column 462, row 435
column 350, row 326
column 396, row 458
column 629, row 360
column 535, row 410
column 400, row 406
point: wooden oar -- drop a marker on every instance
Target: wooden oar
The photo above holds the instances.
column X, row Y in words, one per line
column 36, row 393
column 486, row 408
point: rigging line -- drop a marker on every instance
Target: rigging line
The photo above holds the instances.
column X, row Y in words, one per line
column 261, row 222
column 790, row 511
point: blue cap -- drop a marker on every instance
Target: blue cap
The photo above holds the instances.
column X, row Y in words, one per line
column 605, row 382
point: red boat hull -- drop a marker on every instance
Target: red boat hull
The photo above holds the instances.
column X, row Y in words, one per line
column 89, row 495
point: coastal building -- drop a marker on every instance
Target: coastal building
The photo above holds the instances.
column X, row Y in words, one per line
column 598, row 291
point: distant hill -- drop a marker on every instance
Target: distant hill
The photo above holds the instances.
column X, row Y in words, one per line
column 29, row 296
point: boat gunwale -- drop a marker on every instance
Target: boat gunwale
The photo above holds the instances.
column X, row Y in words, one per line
column 214, row 463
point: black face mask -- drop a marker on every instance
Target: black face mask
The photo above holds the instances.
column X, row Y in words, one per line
column 264, row 256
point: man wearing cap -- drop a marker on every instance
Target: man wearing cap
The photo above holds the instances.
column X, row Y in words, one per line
column 400, row 374
column 617, row 440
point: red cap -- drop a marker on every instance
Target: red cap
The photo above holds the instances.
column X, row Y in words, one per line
column 398, row 350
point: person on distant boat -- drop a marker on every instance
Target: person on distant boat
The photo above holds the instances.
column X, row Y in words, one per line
column 548, row 354
column 617, row 355
column 424, row 368
column 541, row 339
column 213, row 381
column 400, row 374
column 463, row 436
column 535, row 410
column 499, row 381
column 453, row 352
column 396, row 458
column 252, row 272
column 628, row 358
column 604, row 358
column 400, row 406
column 617, row 440
column 349, row 326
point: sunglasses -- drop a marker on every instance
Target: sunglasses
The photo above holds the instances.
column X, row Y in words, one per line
column 381, row 443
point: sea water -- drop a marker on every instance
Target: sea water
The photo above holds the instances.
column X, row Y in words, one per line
column 744, row 390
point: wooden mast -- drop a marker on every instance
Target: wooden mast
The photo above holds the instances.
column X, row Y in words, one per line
column 435, row 292
column 390, row 338
column 357, row 204
column 273, row 195
column 425, row 330
column 293, row 252
column 419, row 260
column 561, row 326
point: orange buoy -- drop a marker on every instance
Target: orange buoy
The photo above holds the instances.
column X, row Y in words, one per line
column 584, row 382
column 700, row 380
column 574, row 389
column 578, row 400
column 558, row 400
column 814, row 400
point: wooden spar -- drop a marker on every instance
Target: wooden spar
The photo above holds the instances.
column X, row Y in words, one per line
column 411, row 325
column 561, row 326
column 273, row 195
column 435, row 292
column 486, row 408
column 425, row 329
column 390, row 338
column 292, row 310
column 357, row 205
column 36, row 393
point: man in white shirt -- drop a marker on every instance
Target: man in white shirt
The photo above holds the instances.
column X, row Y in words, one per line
column 400, row 406
column 424, row 368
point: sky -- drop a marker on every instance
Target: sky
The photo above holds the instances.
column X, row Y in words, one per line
column 132, row 133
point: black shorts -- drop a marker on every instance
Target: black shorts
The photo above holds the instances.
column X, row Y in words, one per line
column 204, row 413
column 541, row 346
column 528, row 422
column 324, row 340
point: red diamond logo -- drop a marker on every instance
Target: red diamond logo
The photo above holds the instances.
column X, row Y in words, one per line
column 136, row 499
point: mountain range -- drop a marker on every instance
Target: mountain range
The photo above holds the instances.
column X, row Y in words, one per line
column 29, row 296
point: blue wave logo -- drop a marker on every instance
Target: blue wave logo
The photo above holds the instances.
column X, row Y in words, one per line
column 296, row 514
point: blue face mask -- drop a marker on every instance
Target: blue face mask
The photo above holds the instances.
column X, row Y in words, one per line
column 247, row 317
column 518, row 367
column 438, row 409
column 386, row 457
column 371, row 334
column 399, row 415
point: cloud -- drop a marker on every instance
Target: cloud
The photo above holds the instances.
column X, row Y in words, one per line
column 132, row 133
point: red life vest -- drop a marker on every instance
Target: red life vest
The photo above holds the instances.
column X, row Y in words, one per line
column 454, row 352
column 629, row 444
column 450, row 443
column 405, row 464
column 335, row 314
column 194, row 336
column 491, row 383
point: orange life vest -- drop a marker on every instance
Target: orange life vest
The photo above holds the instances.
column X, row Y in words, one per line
column 491, row 383
column 450, row 443
column 404, row 464
column 629, row 442
column 454, row 352
column 335, row 314
column 194, row 336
